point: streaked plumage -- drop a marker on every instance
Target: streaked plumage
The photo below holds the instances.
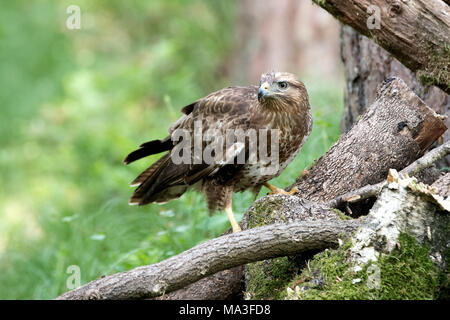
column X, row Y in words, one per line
column 276, row 107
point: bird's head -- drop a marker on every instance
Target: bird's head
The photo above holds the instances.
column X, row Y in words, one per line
column 281, row 88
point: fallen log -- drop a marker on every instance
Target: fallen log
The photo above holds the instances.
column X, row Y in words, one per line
column 212, row 256
column 397, row 129
column 414, row 168
column 401, row 250
column 416, row 32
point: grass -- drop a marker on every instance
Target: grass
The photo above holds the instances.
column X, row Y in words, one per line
column 74, row 103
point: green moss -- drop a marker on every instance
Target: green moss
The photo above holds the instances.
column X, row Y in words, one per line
column 340, row 214
column 407, row 273
column 437, row 72
column 269, row 278
column 264, row 212
column 434, row 77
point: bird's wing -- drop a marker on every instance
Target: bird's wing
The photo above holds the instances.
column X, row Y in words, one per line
column 226, row 109
column 221, row 107
column 218, row 108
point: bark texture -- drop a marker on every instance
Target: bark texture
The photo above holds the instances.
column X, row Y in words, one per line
column 443, row 185
column 401, row 251
column 223, row 285
column 395, row 130
column 414, row 169
column 366, row 65
column 416, row 32
column 212, row 256
column 404, row 206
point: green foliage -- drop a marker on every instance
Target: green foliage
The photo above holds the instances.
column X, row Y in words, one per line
column 75, row 102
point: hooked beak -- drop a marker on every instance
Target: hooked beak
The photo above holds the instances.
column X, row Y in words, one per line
column 263, row 90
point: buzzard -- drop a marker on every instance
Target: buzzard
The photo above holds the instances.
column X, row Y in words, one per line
column 234, row 124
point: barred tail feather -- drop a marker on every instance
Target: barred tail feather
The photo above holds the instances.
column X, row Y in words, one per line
column 149, row 148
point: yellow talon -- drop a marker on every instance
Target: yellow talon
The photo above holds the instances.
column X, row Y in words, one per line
column 275, row 190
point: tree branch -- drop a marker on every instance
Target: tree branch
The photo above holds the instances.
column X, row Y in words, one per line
column 224, row 285
column 416, row 32
column 369, row 191
column 215, row 255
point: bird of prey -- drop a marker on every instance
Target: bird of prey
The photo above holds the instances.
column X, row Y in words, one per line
column 278, row 107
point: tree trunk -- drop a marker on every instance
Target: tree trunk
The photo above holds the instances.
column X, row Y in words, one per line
column 283, row 35
column 366, row 66
column 416, row 32
column 397, row 129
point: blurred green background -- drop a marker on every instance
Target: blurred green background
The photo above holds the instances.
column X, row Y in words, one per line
column 73, row 103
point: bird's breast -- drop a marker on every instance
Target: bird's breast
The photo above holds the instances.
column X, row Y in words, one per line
column 291, row 133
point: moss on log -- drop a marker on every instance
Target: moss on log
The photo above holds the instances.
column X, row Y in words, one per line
column 401, row 251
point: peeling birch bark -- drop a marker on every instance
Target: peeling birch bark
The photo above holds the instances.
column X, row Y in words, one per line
column 404, row 206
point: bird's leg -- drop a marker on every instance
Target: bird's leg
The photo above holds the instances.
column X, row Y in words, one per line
column 234, row 224
column 275, row 190
column 229, row 209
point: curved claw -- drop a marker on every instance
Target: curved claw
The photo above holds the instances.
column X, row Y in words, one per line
column 275, row 190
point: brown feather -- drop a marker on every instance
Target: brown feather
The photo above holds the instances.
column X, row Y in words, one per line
column 149, row 148
column 146, row 179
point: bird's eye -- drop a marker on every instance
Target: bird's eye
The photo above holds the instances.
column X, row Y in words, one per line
column 283, row 85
